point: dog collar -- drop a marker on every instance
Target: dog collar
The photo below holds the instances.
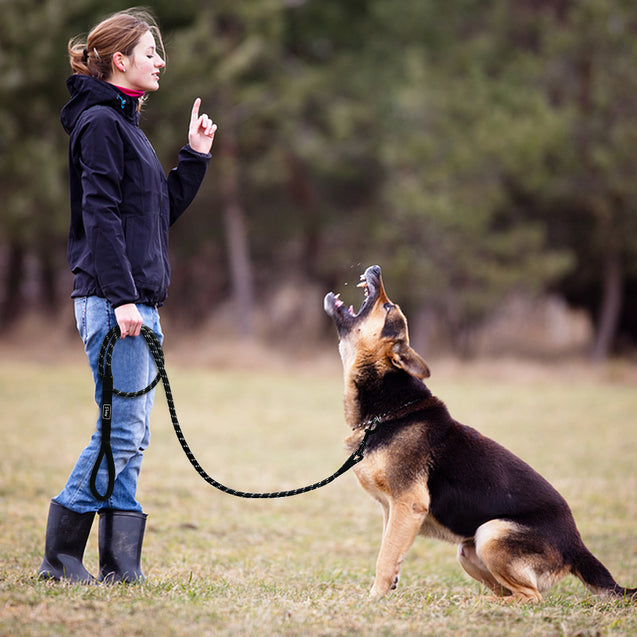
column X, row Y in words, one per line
column 388, row 416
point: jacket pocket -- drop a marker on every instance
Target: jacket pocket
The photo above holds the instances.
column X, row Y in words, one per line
column 143, row 246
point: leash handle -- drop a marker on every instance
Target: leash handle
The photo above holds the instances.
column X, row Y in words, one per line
column 105, row 446
column 106, row 452
column 105, row 370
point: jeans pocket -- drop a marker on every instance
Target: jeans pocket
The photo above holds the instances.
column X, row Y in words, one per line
column 80, row 317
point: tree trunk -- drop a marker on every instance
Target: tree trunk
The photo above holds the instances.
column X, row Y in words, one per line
column 304, row 197
column 610, row 309
column 48, row 282
column 236, row 232
column 13, row 302
column 240, row 267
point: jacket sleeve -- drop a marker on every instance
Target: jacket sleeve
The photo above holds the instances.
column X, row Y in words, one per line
column 185, row 179
column 100, row 151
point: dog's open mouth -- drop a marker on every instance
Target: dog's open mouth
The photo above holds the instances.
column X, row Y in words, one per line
column 344, row 316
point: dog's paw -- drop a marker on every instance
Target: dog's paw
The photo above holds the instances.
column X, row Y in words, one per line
column 381, row 589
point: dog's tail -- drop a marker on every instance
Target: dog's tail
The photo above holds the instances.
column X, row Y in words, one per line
column 596, row 577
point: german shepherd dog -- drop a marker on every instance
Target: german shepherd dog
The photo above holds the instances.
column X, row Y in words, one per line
column 436, row 477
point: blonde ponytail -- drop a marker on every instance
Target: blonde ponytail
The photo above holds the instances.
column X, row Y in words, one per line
column 80, row 59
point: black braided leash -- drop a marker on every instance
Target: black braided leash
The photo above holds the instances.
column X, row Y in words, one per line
column 106, row 373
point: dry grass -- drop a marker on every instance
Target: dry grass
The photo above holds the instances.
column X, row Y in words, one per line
column 218, row 565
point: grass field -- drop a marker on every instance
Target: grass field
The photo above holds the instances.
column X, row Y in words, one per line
column 218, row 565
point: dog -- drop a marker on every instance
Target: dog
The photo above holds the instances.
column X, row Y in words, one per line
column 436, row 477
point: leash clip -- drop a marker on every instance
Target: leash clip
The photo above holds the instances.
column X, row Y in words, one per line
column 369, row 430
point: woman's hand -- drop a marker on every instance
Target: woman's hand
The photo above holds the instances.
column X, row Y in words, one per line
column 129, row 319
column 201, row 131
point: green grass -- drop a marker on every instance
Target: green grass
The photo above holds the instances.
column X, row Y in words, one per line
column 219, row 565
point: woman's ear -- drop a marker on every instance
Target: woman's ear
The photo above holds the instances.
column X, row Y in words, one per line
column 404, row 357
column 119, row 62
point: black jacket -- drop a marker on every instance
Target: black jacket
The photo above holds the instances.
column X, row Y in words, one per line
column 122, row 204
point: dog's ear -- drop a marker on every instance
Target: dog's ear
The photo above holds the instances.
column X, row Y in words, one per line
column 403, row 357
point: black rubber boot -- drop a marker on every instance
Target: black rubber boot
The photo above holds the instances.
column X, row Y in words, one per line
column 66, row 536
column 120, row 542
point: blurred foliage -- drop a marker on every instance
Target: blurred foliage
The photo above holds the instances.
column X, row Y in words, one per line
column 473, row 148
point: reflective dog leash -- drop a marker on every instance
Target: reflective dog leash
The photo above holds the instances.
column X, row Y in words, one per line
column 106, row 453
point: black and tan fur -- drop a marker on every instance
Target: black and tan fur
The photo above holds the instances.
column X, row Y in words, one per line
column 436, row 477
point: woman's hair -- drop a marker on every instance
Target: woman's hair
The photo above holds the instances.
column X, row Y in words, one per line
column 93, row 54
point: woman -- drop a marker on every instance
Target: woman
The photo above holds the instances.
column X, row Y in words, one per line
column 122, row 205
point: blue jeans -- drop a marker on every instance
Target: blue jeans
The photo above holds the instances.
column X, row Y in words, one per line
column 133, row 369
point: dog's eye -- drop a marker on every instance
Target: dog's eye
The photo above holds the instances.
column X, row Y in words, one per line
column 388, row 307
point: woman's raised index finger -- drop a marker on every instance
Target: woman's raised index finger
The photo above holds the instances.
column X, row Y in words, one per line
column 195, row 110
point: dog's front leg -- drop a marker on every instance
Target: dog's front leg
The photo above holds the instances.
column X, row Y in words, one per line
column 402, row 525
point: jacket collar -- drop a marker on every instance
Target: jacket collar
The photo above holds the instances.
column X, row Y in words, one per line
column 87, row 91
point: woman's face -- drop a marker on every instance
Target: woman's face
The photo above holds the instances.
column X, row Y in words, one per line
column 142, row 66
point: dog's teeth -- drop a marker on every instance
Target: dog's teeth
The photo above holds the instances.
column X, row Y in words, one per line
column 362, row 284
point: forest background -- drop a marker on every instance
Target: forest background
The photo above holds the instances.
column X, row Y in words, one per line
column 479, row 150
